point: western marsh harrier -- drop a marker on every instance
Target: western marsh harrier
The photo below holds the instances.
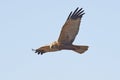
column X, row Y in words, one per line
column 67, row 36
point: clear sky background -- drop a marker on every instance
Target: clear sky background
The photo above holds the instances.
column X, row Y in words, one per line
column 27, row 24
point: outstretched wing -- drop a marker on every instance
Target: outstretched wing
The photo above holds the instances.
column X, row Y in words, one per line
column 45, row 49
column 42, row 50
column 71, row 27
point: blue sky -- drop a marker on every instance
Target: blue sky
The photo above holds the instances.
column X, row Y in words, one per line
column 27, row 24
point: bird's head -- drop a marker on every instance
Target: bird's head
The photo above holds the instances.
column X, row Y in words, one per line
column 54, row 46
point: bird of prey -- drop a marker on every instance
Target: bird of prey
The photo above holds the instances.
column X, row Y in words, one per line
column 67, row 36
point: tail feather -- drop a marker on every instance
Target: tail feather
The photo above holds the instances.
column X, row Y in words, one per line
column 80, row 49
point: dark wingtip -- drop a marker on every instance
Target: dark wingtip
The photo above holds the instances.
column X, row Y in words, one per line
column 38, row 51
column 78, row 13
column 77, row 8
column 69, row 15
column 33, row 50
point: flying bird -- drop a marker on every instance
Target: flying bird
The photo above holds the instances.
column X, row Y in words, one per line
column 67, row 36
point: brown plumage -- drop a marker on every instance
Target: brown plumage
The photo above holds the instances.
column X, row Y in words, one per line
column 67, row 36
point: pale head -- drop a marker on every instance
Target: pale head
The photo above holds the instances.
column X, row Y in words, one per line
column 54, row 46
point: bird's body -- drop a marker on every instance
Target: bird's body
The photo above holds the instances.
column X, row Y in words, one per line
column 67, row 36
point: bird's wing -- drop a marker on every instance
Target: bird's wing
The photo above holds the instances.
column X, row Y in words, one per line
column 42, row 49
column 71, row 27
column 45, row 49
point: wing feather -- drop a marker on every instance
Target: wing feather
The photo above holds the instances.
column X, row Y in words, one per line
column 71, row 27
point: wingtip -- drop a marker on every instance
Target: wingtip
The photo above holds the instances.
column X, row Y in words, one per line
column 69, row 15
column 77, row 8
column 33, row 50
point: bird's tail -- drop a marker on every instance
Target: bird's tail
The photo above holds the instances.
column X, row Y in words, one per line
column 80, row 49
